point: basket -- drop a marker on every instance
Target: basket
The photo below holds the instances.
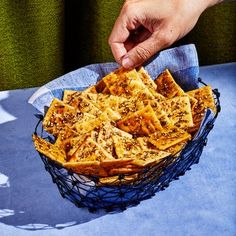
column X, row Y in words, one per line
column 88, row 191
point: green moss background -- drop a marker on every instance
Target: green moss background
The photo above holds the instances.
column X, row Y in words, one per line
column 31, row 42
column 41, row 40
column 215, row 35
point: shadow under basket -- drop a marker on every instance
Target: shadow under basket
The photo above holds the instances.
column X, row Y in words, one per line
column 128, row 190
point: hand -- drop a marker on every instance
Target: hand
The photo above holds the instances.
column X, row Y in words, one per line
column 144, row 27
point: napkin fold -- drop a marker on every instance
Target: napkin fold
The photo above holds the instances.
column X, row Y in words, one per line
column 181, row 61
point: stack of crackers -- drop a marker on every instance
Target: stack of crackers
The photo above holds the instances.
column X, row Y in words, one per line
column 123, row 124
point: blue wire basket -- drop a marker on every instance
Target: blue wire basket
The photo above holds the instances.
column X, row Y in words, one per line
column 88, row 191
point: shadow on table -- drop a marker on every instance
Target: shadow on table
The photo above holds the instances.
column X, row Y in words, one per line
column 28, row 198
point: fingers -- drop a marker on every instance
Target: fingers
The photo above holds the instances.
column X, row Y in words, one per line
column 144, row 50
column 125, row 25
column 131, row 40
column 118, row 37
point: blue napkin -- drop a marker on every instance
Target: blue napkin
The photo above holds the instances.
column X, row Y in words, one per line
column 181, row 61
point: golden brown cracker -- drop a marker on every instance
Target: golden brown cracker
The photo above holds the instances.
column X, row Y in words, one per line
column 58, row 115
column 126, row 83
column 205, row 99
column 68, row 95
column 175, row 149
column 178, row 109
column 117, row 180
column 129, row 106
column 116, row 163
column 167, row 86
column 150, row 157
column 126, row 147
column 86, row 168
column 142, row 122
column 90, row 150
column 168, row 137
column 51, row 151
column 81, row 103
column 149, row 83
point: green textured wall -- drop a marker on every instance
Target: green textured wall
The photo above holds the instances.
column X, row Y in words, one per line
column 41, row 40
column 31, row 42
column 215, row 35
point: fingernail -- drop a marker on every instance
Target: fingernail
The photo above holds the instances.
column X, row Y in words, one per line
column 127, row 63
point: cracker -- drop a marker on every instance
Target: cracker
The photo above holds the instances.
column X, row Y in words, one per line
column 149, row 83
column 169, row 137
column 116, row 163
column 178, row 109
column 160, row 112
column 58, row 115
column 145, row 144
column 124, row 170
column 167, row 86
column 104, row 101
column 129, row 106
column 86, row 125
column 142, row 122
column 150, row 157
column 50, row 150
column 117, row 180
column 71, row 144
column 126, row 147
column 81, row 103
column 148, row 146
column 69, row 94
column 91, row 89
column 177, row 148
column 86, row 168
column 205, row 100
column 126, row 83
column 90, row 150
column 106, row 131
column 66, row 133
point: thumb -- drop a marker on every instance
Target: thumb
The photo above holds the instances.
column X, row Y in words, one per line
column 140, row 53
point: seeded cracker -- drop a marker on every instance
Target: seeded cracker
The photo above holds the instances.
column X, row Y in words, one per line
column 129, row 106
column 49, row 150
column 86, row 168
column 84, row 105
column 103, row 101
column 126, row 83
column 106, row 131
column 178, row 109
column 159, row 111
column 69, row 94
column 205, row 100
column 169, row 137
column 167, row 86
column 58, row 115
column 150, row 84
column 142, row 122
column 90, row 150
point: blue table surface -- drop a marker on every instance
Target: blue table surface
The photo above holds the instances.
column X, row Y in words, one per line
column 202, row 202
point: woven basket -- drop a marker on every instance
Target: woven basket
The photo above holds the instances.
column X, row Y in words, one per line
column 88, row 191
